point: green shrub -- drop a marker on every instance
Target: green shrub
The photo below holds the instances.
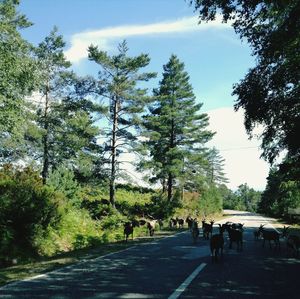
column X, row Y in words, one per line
column 94, row 201
column 113, row 221
column 27, row 209
column 210, row 201
column 76, row 230
column 132, row 202
column 63, row 180
column 161, row 207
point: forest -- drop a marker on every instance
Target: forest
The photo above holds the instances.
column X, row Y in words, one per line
column 63, row 138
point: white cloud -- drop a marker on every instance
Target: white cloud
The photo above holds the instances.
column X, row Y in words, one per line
column 103, row 37
column 242, row 156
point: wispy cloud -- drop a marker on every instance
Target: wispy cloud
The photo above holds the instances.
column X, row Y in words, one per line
column 103, row 37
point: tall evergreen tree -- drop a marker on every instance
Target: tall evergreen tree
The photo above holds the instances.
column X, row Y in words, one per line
column 175, row 129
column 52, row 70
column 215, row 171
column 65, row 126
column 17, row 70
column 118, row 80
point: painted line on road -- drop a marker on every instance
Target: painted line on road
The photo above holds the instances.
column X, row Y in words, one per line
column 16, row 282
column 57, row 271
column 187, row 282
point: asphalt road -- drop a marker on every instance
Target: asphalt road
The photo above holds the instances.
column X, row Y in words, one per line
column 172, row 268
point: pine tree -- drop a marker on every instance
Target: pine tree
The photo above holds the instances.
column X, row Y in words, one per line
column 215, row 172
column 175, row 129
column 118, row 80
column 64, row 128
column 17, row 73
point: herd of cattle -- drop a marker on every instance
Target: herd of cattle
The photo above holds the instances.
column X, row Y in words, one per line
column 216, row 240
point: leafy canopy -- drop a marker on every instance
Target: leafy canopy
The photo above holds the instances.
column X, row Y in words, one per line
column 17, row 73
column 270, row 91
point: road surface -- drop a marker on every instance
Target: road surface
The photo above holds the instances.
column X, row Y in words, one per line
column 172, row 268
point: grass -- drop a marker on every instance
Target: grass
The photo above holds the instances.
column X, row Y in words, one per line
column 44, row 265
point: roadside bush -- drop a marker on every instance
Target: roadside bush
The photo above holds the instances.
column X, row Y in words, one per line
column 161, row 208
column 190, row 205
column 210, row 202
column 132, row 202
column 76, row 230
column 112, row 226
column 27, row 209
column 63, row 180
column 93, row 200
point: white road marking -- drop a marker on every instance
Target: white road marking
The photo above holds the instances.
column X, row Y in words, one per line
column 58, row 271
column 186, row 283
column 187, row 256
column 10, row 284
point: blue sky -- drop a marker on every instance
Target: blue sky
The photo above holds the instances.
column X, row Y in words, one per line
column 214, row 57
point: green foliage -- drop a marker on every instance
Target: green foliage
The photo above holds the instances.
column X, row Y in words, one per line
column 161, row 207
column 112, row 226
column 175, row 131
column 243, row 199
column 62, row 180
column 60, row 124
column 27, row 209
column 210, row 201
column 118, row 83
column 75, row 230
column 249, row 197
column 233, row 202
column 132, row 203
column 93, row 200
column 215, row 173
column 134, row 188
column 53, row 82
column 35, row 219
column 189, row 205
column 270, row 92
column 96, row 208
column 114, row 221
column 17, row 73
column 76, row 143
column 282, row 190
column 290, row 195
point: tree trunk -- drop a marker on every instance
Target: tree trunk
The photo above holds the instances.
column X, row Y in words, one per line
column 170, row 176
column 45, row 139
column 170, row 187
column 164, row 186
column 112, row 186
column 212, row 174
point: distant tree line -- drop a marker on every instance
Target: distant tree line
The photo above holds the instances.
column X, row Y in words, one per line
column 242, row 199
